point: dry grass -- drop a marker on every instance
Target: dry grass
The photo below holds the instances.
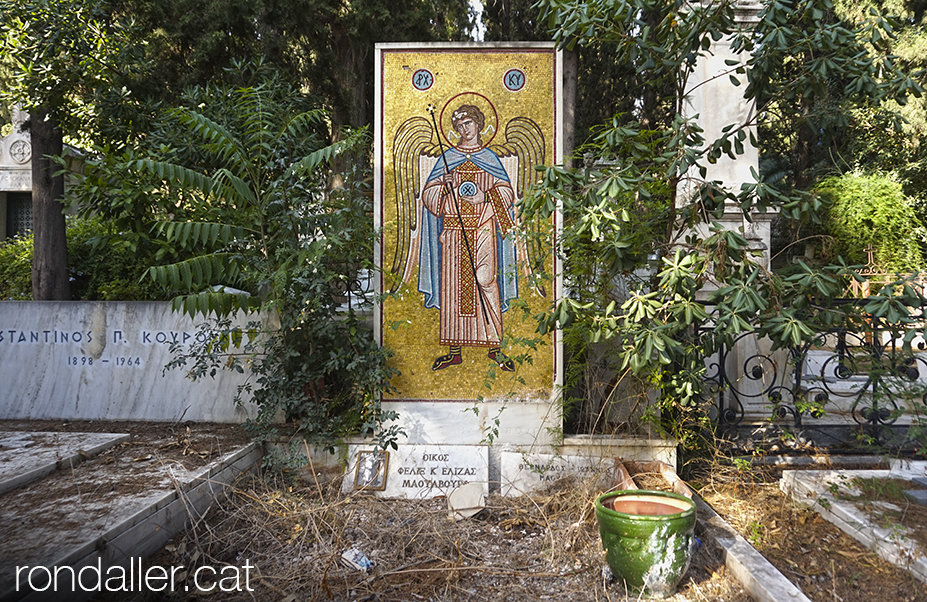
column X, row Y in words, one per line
column 542, row 547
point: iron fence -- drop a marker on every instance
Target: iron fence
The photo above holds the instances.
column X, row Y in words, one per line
column 865, row 376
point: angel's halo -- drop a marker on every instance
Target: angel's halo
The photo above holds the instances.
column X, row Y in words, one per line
column 469, row 98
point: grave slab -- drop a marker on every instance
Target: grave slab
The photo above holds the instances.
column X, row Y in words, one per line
column 760, row 578
column 580, row 457
column 814, row 488
column 104, row 360
column 25, row 456
column 417, row 471
column 523, row 473
column 918, row 496
column 71, row 521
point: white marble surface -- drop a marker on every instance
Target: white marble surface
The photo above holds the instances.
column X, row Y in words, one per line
column 829, row 493
column 26, row 456
column 105, row 361
column 579, row 456
column 524, row 473
column 522, row 423
column 425, row 471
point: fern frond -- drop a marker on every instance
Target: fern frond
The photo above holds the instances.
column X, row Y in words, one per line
column 304, row 123
column 175, row 174
column 206, row 234
column 220, row 303
column 230, row 181
column 199, row 272
column 312, row 161
column 222, row 141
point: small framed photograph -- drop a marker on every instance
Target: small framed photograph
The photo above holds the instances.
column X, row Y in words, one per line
column 371, row 470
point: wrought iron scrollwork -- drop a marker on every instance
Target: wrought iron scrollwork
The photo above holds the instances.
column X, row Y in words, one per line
column 868, row 374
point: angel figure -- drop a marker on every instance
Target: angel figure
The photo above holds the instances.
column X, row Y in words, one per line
column 460, row 247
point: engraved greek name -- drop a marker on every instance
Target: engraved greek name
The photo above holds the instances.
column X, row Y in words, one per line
column 432, row 484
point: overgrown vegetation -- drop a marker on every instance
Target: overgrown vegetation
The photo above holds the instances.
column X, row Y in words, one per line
column 235, row 190
column 650, row 268
column 870, row 213
column 236, row 193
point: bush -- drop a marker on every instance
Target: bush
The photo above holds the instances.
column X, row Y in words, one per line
column 98, row 272
column 16, row 268
column 873, row 210
column 106, row 272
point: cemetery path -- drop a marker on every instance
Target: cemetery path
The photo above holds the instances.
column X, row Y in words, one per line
column 542, row 547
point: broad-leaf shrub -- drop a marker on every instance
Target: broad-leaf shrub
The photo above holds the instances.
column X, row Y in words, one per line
column 238, row 185
column 99, row 272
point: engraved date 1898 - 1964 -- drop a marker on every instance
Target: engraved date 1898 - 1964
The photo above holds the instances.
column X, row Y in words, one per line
column 74, row 360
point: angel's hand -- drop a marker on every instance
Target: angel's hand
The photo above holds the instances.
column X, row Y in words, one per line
column 475, row 199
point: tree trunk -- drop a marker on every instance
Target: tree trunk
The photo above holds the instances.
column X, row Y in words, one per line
column 50, row 252
column 801, row 158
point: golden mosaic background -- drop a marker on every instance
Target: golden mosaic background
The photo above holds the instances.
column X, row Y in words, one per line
column 409, row 329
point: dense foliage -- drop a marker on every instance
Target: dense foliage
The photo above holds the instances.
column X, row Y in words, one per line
column 98, row 271
column 238, row 180
column 642, row 243
column 869, row 212
column 323, row 46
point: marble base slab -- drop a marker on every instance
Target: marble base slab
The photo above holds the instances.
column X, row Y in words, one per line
column 25, row 457
column 815, row 489
column 416, row 471
column 105, row 360
column 524, row 473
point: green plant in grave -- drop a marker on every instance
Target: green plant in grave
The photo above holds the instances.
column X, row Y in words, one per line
column 97, row 272
column 872, row 212
column 238, row 182
column 643, row 245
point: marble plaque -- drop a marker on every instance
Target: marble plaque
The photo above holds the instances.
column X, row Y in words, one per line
column 88, row 360
column 418, row 471
column 524, row 473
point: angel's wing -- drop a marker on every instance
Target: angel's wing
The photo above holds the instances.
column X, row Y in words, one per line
column 525, row 140
column 522, row 150
column 413, row 144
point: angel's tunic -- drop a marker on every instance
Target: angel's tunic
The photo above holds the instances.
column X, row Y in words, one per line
column 466, row 263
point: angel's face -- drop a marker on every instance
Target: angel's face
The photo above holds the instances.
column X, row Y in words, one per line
column 468, row 130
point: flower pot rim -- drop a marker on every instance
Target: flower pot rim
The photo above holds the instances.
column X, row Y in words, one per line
column 645, row 492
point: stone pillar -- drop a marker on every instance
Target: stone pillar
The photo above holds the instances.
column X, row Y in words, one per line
column 15, row 165
column 717, row 103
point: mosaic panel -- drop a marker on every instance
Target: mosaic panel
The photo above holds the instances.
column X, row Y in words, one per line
column 459, row 132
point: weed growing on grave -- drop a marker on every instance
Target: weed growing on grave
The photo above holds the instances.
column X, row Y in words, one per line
column 756, row 533
column 886, row 502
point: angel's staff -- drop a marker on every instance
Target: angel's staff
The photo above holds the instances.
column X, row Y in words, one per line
column 463, row 231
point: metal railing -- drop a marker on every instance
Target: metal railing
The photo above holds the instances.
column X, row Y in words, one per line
column 864, row 376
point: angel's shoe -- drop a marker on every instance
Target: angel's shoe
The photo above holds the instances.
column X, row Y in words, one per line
column 451, row 359
column 496, row 355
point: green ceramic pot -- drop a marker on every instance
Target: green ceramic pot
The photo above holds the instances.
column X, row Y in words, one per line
column 647, row 536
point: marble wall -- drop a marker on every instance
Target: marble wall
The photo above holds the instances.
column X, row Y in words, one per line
column 105, row 361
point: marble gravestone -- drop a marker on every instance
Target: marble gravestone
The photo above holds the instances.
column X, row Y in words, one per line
column 106, row 361
column 417, row 471
column 458, row 130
